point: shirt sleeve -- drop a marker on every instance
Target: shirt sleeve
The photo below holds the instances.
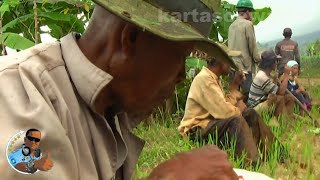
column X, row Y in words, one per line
column 297, row 55
column 233, row 97
column 15, row 157
column 213, row 100
column 270, row 88
column 277, row 49
column 252, row 43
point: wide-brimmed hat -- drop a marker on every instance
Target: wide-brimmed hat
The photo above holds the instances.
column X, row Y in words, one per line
column 174, row 20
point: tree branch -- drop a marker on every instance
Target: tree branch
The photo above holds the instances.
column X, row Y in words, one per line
column 35, row 21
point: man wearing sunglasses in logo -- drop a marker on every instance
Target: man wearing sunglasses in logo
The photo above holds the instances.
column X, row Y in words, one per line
column 28, row 158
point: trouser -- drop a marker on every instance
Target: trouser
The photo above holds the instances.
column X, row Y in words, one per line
column 246, row 84
column 249, row 130
column 283, row 105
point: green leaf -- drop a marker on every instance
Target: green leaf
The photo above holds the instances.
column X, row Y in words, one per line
column 65, row 11
column 56, row 31
column 86, row 7
column 76, row 24
column 261, row 15
column 15, row 41
column 214, row 33
column 227, row 11
column 16, row 21
column 4, row 8
column 55, row 16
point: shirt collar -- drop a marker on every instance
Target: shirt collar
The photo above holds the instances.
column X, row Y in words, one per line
column 210, row 73
column 88, row 79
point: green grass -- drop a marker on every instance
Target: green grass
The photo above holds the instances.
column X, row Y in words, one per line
column 310, row 67
column 163, row 141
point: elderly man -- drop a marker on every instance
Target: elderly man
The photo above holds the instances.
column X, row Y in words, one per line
column 225, row 117
column 264, row 93
column 86, row 92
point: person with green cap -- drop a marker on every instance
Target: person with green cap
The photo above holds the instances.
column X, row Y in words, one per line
column 242, row 38
column 85, row 93
column 288, row 50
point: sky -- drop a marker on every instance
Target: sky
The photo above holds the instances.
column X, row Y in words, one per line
column 303, row 16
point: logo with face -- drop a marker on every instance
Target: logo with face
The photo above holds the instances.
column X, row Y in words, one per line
column 24, row 155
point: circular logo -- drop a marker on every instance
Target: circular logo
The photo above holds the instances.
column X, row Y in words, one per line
column 15, row 156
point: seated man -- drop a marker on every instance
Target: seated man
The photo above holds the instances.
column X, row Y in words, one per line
column 210, row 112
column 298, row 91
column 265, row 94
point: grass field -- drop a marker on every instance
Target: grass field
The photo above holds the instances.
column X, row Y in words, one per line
column 163, row 141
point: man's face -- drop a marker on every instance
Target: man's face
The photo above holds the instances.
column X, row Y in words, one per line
column 250, row 15
column 32, row 140
column 149, row 76
column 225, row 68
column 295, row 70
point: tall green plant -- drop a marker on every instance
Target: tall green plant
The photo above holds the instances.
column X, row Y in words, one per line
column 228, row 14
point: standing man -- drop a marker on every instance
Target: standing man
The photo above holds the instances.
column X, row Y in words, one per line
column 242, row 38
column 288, row 50
column 88, row 91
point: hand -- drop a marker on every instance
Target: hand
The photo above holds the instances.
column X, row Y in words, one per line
column 241, row 105
column 301, row 89
column 208, row 162
column 238, row 78
column 287, row 70
column 44, row 164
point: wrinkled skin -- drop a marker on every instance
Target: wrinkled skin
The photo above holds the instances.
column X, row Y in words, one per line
column 145, row 68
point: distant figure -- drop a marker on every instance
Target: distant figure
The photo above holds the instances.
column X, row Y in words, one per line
column 288, row 50
column 242, row 38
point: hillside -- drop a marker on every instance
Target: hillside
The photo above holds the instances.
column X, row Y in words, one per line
column 303, row 41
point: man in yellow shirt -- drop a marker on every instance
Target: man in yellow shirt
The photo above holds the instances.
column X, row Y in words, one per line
column 210, row 111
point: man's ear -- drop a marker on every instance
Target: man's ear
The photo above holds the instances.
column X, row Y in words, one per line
column 128, row 40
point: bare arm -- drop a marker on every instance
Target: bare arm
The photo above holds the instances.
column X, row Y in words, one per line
column 284, row 83
column 21, row 167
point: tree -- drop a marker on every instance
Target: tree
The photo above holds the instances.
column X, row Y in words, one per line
column 18, row 18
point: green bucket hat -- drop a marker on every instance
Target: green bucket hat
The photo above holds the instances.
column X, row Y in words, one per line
column 245, row 4
column 174, row 20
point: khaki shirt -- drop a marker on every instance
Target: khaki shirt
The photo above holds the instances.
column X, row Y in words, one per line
column 53, row 87
column 288, row 50
column 242, row 38
column 207, row 101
